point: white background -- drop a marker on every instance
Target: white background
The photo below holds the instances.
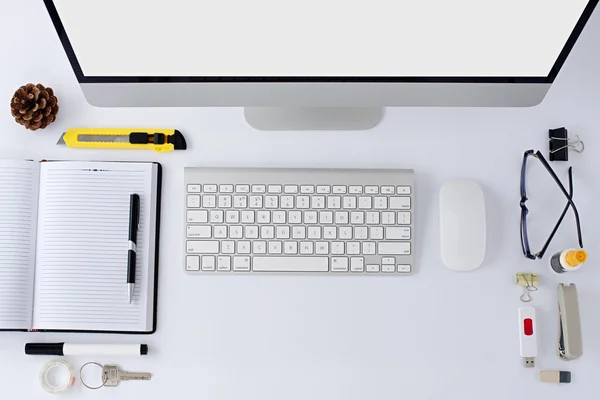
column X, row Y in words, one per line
column 318, row 37
column 434, row 335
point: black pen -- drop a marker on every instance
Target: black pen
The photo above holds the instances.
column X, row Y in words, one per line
column 134, row 220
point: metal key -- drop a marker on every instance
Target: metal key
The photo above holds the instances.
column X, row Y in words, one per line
column 111, row 375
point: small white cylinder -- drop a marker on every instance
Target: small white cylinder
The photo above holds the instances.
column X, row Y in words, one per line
column 74, row 349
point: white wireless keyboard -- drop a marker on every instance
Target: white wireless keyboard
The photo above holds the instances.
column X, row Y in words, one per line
column 299, row 221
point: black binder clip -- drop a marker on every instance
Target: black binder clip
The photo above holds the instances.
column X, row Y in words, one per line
column 560, row 143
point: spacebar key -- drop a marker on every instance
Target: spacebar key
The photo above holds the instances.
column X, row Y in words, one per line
column 290, row 264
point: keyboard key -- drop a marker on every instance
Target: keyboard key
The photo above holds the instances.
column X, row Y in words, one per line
column 271, row 201
column 388, row 260
column 216, row 216
column 339, row 189
column 318, row 202
column 256, row 202
column 310, row 217
column 210, row 188
column 243, row 247
column 193, row 201
column 241, row 263
column 225, row 201
column 337, row 247
column 306, row 248
column 201, row 232
column 247, row 217
column 267, row 232
column 341, row 217
column 287, row 202
column 330, row 232
column 292, row 189
column 345, row 232
column 194, row 188
column 263, row 217
column 228, row 247
column 302, row 202
column 372, row 217
column 376, row 232
column 397, row 233
column 307, row 189
column 197, row 216
column 242, row 188
column 372, row 267
column 349, row 202
column 274, row 188
column 314, row 232
column 403, row 190
column 400, row 203
column 364, row 203
column 226, row 188
column 357, row 264
column 357, row 217
column 290, row 247
column 251, row 232
column 295, row 217
column 334, row 202
column 299, row 232
column 403, row 268
column 355, row 189
column 209, row 201
column 380, row 203
column 360, row 233
column 202, row 246
column 192, row 263
column 220, row 232
column 259, row 188
column 279, row 217
column 240, row 201
column 232, row 216
column 388, row 268
column 291, row 264
column 323, row 189
column 223, row 263
column 208, row 263
column 236, row 232
column 368, row 248
column 353, row 248
column 322, row 248
column 283, row 232
column 274, row 247
column 388, row 218
column 339, row 264
column 259, row 247
column 393, row 248
column 388, row 190
column 403, row 217
column 372, row 189
column 326, row 217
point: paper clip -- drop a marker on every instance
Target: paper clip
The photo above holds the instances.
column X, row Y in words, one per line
column 561, row 143
column 529, row 283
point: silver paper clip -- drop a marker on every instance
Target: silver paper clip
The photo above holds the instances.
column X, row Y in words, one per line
column 570, row 344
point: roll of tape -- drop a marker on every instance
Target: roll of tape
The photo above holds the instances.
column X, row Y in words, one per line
column 57, row 376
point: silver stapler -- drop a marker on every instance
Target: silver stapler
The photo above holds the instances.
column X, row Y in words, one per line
column 570, row 345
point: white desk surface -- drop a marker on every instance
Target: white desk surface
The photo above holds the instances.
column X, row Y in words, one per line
column 436, row 334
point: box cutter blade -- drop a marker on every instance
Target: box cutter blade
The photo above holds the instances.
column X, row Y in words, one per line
column 159, row 140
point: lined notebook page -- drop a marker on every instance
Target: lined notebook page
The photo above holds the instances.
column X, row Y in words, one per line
column 83, row 224
column 18, row 208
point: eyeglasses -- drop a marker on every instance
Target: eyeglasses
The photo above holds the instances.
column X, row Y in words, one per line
column 525, row 210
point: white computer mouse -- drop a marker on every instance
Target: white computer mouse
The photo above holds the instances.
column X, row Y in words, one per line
column 462, row 225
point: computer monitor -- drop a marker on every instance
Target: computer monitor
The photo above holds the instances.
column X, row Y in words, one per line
column 317, row 63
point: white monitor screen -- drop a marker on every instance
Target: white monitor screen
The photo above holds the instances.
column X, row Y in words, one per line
column 318, row 38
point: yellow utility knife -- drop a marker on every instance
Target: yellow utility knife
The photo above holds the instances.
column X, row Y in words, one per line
column 159, row 140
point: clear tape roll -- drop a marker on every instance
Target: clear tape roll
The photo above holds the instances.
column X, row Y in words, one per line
column 48, row 384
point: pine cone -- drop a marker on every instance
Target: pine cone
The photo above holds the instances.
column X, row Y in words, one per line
column 34, row 106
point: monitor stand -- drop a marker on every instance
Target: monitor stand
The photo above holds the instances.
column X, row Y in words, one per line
column 313, row 118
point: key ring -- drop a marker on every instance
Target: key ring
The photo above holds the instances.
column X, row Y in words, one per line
column 104, row 378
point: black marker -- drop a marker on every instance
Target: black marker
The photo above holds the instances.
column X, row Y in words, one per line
column 134, row 220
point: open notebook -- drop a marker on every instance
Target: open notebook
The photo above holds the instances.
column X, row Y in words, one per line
column 64, row 241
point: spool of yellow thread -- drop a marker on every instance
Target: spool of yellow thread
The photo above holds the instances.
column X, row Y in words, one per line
column 568, row 260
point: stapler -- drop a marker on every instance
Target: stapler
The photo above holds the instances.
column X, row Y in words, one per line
column 570, row 345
